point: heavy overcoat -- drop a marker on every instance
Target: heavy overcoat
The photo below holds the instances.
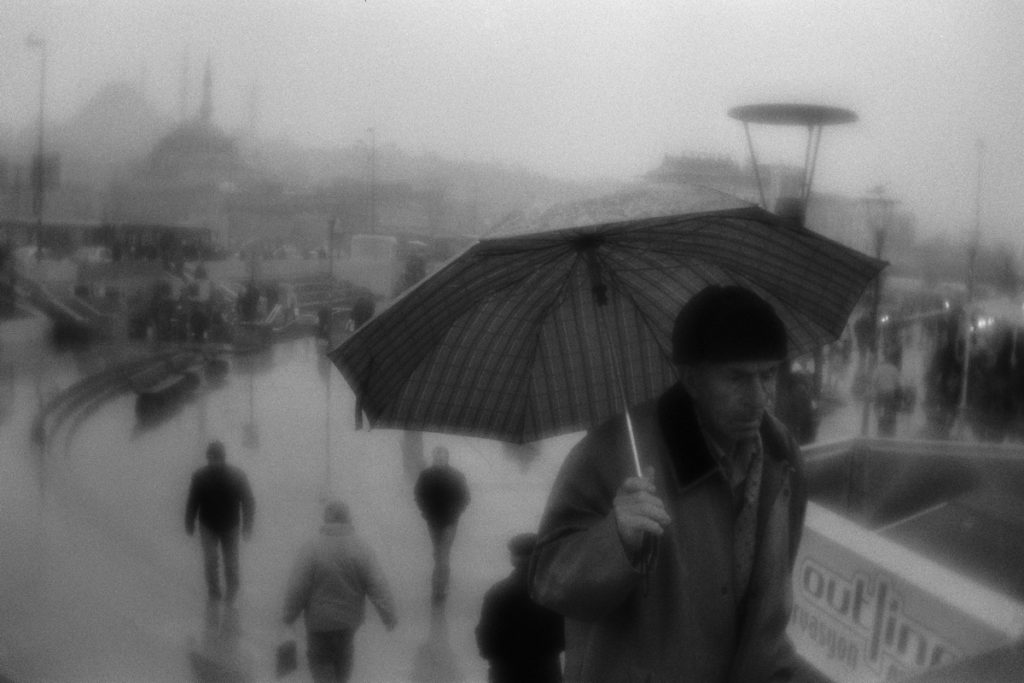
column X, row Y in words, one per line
column 221, row 498
column 442, row 494
column 685, row 621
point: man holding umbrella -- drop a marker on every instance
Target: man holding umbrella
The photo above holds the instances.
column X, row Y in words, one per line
column 722, row 500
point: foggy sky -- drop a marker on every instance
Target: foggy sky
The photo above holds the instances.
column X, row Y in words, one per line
column 575, row 88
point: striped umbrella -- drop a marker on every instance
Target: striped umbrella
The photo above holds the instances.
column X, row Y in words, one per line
column 509, row 341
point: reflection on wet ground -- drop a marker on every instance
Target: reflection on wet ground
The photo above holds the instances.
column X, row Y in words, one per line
column 218, row 657
column 100, row 581
column 435, row 661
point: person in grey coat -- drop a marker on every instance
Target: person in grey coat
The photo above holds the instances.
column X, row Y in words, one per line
column 722, row 494
column 332, row 577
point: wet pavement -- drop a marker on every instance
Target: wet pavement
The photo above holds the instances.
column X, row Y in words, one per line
column 100, row 582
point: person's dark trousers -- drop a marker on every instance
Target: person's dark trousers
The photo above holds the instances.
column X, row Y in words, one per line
column 442, row 538
column 216, row 543
column 888, row 410
column 330, row 655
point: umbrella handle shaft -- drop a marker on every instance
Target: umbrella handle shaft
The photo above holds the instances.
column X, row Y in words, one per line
column 632, row 443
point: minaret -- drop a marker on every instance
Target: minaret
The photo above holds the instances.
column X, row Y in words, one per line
column 206, row 108
column 183, row 93
column 255, row 95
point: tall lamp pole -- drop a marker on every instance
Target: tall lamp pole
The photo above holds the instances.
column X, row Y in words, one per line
column 38, row 181
column 878, row 207
column 972, row 255
column 813, row 118
column 373, row 180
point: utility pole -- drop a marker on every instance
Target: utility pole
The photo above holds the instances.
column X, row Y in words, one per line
column 878, row 208
column 332, row 226
column 968, row 323
column 373, row 180
column 813, row 118
column 39, row 165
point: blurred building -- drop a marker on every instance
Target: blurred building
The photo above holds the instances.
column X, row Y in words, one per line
column 722, row 173
column 836, row 216
column 198, row 175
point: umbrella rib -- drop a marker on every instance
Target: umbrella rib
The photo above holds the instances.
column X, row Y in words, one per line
column 643, row 314
column 538, row 265
column 534, row 274
column 810, row 247
column 812, row 258
column 552, row 303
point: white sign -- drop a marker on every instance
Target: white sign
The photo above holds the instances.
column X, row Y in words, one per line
column 866, row 609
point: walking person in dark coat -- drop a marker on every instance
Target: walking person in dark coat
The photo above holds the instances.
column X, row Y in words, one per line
column 520, row 639
column 221, row 499
column 442, row 495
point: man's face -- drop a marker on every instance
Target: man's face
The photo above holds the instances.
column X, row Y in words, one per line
column 731, row 397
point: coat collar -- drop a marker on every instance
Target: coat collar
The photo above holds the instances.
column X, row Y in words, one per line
column 677, row 419
column 336, row 528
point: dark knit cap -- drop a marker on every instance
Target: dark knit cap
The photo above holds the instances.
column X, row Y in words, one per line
column 722, row 324
column 215, row 451
column 336, row 511
column 522, row 545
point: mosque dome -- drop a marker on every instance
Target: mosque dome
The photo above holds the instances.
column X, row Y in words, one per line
column 195, row 151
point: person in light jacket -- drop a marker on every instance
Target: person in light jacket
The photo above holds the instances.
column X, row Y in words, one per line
column 683, row 574
column 330, row 582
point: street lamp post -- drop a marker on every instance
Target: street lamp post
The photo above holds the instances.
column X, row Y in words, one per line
column 878, row 208
column 373, row 180
column 38, row 167
column 812, row 117
column 972, row 255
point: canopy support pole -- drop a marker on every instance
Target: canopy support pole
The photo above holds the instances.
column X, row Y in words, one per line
column 649, row 546
column 600, row 292
column 757, row 171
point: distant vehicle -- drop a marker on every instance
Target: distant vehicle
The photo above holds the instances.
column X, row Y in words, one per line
column 93, row 255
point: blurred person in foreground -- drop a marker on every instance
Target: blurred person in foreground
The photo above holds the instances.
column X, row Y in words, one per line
column 221, row 499
column 330, row 581
column 520, row 639
column 442, row 495
column 723, row 495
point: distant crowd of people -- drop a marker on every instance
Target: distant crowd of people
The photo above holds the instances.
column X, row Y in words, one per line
column 989, row 406
column 993, row 395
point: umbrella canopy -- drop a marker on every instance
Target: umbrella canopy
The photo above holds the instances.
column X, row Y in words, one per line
column 613, row 202
column 506, row 341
